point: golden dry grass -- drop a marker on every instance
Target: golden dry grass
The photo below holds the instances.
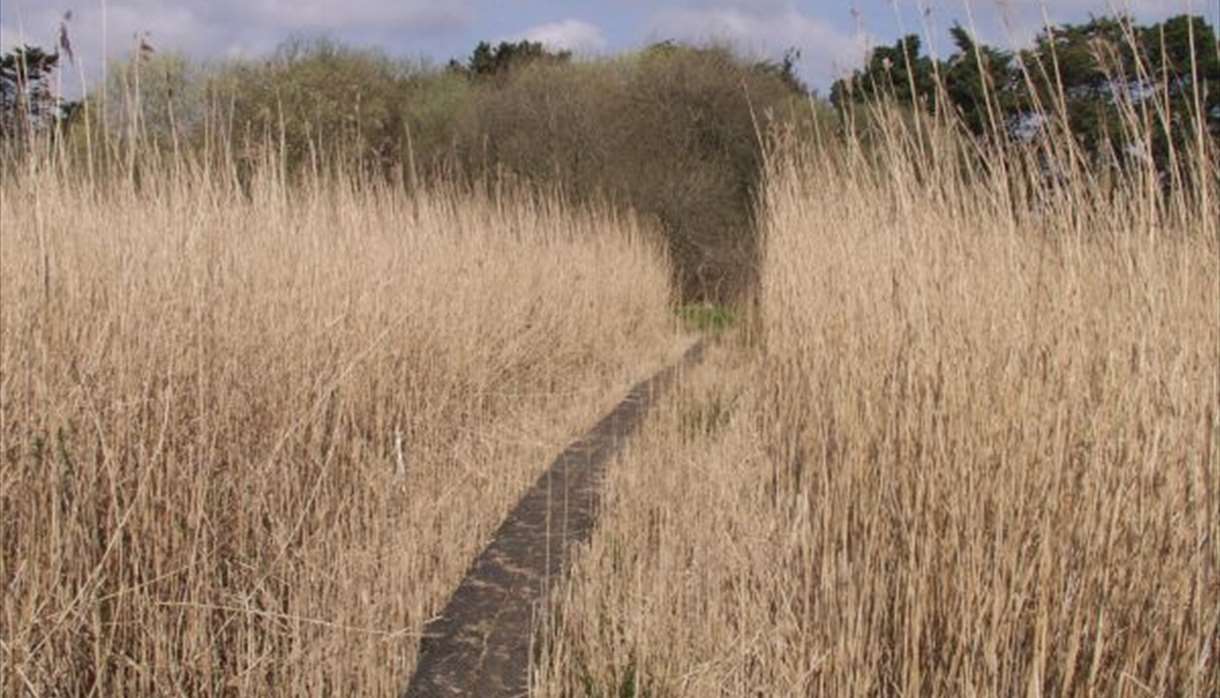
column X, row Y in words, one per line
column 969, row 443
column 973, row 449
column 249, row 443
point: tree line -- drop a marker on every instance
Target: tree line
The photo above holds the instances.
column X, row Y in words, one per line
column 1091, row 75
column 675, row 131
column 616, row 130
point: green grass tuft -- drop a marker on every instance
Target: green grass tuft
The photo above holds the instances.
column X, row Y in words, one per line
column 706, row 317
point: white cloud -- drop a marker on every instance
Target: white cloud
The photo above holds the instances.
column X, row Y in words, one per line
column 413, row 15
column 766, row 28
column 759, row 7
column 8, row 37
column 211, row 28
column 567, row 35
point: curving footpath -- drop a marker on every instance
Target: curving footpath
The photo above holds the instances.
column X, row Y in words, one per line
column 480, row 643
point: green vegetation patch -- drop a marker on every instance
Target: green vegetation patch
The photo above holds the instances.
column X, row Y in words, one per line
column 707, row 317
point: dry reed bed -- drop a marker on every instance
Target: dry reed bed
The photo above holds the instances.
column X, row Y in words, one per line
column 975, row 451
column 250, row 441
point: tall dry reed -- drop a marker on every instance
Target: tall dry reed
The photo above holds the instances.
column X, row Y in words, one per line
column 973, row 449
column 252, row 433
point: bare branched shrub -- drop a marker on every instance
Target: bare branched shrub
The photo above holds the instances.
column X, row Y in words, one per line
column 672, row 132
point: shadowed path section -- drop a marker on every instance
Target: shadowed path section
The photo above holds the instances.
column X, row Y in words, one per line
column 479, row 645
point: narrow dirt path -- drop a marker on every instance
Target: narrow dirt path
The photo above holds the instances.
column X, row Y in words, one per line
column 479, row 645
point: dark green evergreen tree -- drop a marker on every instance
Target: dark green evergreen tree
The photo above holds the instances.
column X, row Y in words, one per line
column 980, row 83
column 1085, row 73
column 488, row 61
column 28, row 103
column 899, row 72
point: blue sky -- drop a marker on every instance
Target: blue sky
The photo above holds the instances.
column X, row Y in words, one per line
column 832, row 35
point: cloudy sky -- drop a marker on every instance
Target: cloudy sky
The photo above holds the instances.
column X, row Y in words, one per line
column 832, row 35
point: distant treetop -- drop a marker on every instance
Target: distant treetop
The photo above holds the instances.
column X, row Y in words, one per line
column 487, row 61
